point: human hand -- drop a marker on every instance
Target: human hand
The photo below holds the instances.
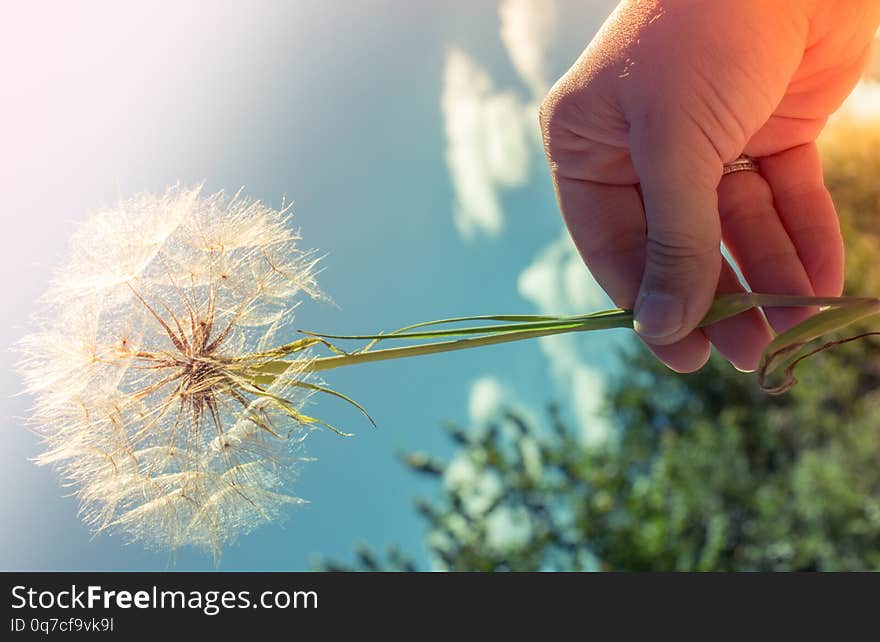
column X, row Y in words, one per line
column 637, row 132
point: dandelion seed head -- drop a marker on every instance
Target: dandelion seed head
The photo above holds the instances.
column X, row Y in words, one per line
column 142, row 367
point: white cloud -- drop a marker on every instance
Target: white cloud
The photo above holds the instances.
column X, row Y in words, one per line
column 527, row 31
column 492, row 134
column 587, row 396
column 487, row 146
column 487, row 395
column 557, row 282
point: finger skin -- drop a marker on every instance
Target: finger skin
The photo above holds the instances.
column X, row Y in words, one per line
column 607, row 224
column 679, row 170
column 687, row 355
column 808, row 215
column 760, row 244
column 742, row 338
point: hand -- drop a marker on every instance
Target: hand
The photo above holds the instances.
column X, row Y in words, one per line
column 638, row 129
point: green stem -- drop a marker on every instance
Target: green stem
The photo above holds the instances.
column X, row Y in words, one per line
column 724, row 306
column 623, row 319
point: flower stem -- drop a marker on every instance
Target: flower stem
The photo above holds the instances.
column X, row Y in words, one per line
column 521, row 328
column 622, row 319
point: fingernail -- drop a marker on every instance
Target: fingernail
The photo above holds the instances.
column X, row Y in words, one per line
column 658, row 315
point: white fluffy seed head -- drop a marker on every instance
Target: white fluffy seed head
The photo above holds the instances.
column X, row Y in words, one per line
column 142, row 367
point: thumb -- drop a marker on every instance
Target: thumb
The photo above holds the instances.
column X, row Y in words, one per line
column 679, row 176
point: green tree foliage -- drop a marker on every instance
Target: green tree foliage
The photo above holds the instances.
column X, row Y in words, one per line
column 706, row 472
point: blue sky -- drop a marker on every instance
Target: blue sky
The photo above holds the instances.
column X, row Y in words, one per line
column 406, row 136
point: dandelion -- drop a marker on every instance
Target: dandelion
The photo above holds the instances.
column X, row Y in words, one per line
column 140, row 367
column 164, row 397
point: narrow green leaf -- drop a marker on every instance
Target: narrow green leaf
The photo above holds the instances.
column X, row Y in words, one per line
column 335, row 393
column 787, row 350
column 597, row 321
column 287, row 406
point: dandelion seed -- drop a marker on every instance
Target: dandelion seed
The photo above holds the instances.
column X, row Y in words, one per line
column 140, row 367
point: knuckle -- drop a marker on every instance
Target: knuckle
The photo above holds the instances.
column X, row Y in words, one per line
column 553, row 104
column 558, row 116
column 680, row 251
